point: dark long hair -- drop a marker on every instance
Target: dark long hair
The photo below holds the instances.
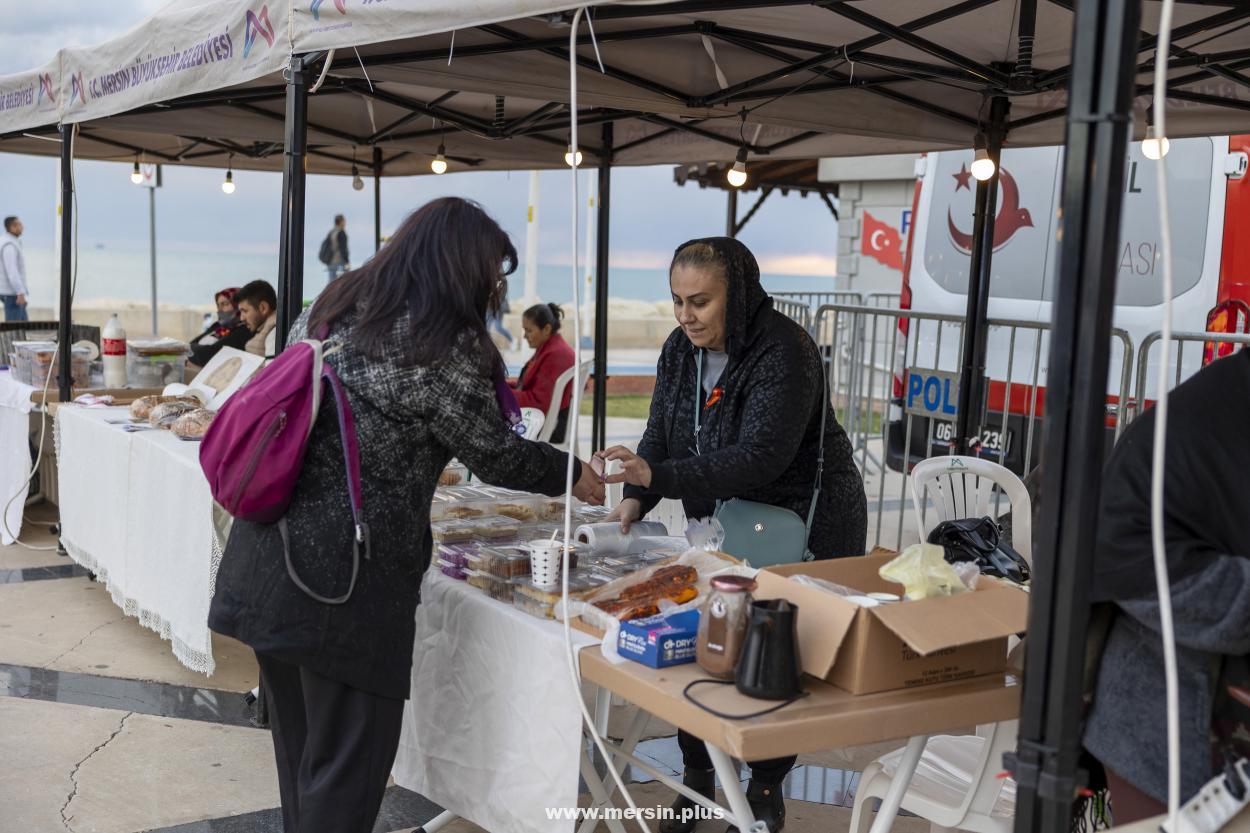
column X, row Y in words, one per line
column 545, row 315
column 447, row 266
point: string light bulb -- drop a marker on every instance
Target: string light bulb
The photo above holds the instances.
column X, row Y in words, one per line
column 1154, row 147
column 439, row 164
column 227, row 185
column 136, row 176
column 983, row 167
column 358, row 184
column 737, row 175
column 572, row 160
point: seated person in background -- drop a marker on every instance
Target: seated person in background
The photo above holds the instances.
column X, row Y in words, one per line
column 536, row 384
column 1206, row 520
column 227, row 331
column 258, row 307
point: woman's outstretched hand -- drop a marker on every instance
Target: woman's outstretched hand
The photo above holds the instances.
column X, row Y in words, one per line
column 634, row 470
column 589, row 488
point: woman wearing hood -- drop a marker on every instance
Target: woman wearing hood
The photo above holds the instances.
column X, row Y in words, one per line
column 758, row 439
column 227, row 331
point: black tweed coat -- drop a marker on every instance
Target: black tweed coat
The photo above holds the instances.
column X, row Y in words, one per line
column 410, row 421
column 760, row 441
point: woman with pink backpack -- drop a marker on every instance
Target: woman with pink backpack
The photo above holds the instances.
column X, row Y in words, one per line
column 326, row 593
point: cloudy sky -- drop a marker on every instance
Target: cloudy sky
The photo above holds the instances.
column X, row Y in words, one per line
column 650, row 213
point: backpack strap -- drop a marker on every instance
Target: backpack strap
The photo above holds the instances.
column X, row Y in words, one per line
column 351, row 456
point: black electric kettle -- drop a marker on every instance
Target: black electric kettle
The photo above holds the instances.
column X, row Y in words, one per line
column 769, row 668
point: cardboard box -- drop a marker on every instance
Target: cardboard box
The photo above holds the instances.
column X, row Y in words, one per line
column 903, row 645
column 660, row 641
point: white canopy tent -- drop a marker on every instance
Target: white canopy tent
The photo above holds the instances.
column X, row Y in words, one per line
column 200, row 81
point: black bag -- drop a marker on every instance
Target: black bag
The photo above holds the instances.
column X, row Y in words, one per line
column 978, row 540
column 326, row 253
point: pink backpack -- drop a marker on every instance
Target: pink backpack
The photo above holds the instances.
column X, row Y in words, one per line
column 254, row 449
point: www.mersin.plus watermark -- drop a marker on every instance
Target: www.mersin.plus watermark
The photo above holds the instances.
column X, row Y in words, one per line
column 686, row 814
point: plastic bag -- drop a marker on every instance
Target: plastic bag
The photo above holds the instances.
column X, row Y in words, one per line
column 924, row 573
column 705, row 534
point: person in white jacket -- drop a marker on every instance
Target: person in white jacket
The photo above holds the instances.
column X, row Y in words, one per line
column 13, row 271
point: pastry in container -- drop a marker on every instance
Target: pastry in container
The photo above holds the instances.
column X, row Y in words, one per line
column 540, row 601
column 452, row 570
column 494, row 586
column 504, row 562
column 452, row 532
column 519, row 509
column 455, row 554
column 497, row 528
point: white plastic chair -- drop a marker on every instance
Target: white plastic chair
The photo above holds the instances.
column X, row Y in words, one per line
column 557, row 396
column 969, row 487
column 956, row 784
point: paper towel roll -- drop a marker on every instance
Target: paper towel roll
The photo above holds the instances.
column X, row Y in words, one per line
column 607, row 539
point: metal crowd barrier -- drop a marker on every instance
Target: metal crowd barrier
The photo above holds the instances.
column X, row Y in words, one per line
column 868, row 354
column 1185, row 357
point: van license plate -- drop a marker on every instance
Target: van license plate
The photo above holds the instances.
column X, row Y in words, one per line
column 993, row 440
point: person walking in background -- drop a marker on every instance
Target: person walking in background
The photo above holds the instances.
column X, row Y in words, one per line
column 258, row 307
column 334, row 252
column 494, row 322
column 13, row 271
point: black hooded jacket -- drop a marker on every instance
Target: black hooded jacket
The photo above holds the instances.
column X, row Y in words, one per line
column 760, row 441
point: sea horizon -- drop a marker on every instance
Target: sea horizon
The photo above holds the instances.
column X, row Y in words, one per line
column 189, row 278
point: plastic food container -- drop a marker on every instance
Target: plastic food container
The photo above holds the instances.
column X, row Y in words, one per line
column 532, row 606
column 455, row 554
column 452, row 532
column 497, row 528
column 582, row 583
column 35, row 364
column 523, row 508
column 461, row 510
column 505, row 562
column 451, row 570
column 494, row 586
column 156, row 363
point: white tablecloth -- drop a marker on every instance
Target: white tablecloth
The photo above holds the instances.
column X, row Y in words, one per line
column 492, row 731
column 137, row 511
column 15, row 460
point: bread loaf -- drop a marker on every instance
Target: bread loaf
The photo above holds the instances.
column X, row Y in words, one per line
column 193, row 424
column 142, row 407
column 165, row 414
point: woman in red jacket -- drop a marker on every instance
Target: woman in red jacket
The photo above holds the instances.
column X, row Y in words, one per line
column 536, row 384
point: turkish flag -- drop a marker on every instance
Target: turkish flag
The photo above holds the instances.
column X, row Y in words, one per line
column 882, row 242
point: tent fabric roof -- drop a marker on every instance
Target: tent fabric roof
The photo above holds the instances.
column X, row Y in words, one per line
column 816, row 79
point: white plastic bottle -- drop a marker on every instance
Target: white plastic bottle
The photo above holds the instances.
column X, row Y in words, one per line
column 114, row 353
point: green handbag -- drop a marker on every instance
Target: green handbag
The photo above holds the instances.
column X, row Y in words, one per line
column 758, row 532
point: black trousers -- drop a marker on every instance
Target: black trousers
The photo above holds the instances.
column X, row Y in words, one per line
column 770, row 773
column 334, row 747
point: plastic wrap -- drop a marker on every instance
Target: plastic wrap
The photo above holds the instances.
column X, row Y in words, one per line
column 923, row 571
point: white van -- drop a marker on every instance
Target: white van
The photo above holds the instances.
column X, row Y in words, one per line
column 1211, row 262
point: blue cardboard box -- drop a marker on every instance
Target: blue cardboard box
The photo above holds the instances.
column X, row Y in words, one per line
column 660, row 641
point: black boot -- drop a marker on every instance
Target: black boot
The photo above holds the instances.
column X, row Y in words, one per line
column 767, row 805
column 702, row 781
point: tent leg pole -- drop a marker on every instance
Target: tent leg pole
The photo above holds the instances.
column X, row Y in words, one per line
column 731, row 219
column 294, row 157
column 377, row 198
column 65, row 321
column 972, row 369
column 599, row 434
column 1045, row 764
